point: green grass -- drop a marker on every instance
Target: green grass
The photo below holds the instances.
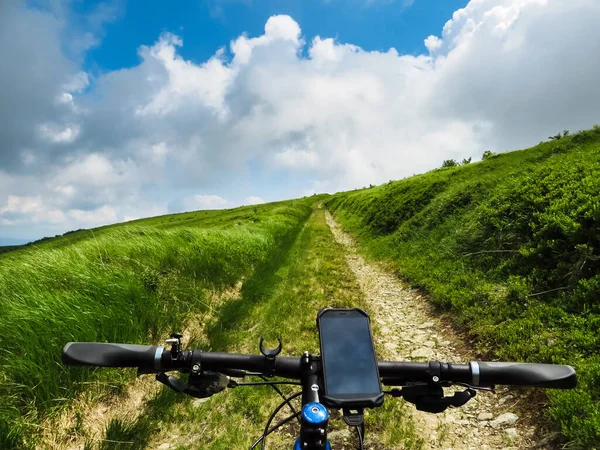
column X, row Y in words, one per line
column 511, row 246
column 284, row 301
column 131, row 282
column 9, row 248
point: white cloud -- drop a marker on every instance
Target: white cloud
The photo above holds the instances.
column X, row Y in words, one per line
column 328, row 50
column 77, row 82
column 21, row 205
column 253, row 200
column 56, row 134
column 209, row 201
column 297, row 159
column 55, row 217
column 187, row 82
column 322, row 116
column 142, row 212
column 90, row 218
column 198, row 202
column 93, row 169
column 278, row 28
column 21, row 210
column 433, row 43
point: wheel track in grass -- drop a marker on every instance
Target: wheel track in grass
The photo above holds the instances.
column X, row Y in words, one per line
column 406, row 324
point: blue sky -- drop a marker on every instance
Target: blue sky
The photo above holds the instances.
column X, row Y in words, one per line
column 207, row 25
column 116, row 109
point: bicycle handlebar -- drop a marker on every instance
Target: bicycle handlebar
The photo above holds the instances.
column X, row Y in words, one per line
column 112, row 355
column 154, row 359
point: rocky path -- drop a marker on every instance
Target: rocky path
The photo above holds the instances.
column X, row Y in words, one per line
column 409, row 330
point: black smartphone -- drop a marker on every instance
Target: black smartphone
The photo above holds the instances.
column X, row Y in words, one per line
column 350, row 373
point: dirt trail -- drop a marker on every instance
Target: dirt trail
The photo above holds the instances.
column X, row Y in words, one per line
column 410, row 331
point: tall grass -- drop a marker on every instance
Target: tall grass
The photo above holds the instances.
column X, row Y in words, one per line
column 511, row 246
column 127, row 283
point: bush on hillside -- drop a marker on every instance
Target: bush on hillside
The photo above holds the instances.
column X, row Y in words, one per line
column 487, row 155
column 449, row 163
column 559, row 135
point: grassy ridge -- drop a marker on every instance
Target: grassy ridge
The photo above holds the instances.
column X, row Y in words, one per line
column 126, row 283
column 8, row 248
column 511, row 245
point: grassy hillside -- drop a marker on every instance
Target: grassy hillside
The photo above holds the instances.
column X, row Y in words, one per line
column 131, row 282
column 511, row 246
column 8, row 248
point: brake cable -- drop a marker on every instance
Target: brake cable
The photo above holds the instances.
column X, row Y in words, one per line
column 234, row 384
column 283, row 397
column 266, row 432
column 262, row 445
column 275, row 427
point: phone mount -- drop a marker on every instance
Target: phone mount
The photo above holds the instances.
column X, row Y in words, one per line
column 353, row 417
column 270, row 354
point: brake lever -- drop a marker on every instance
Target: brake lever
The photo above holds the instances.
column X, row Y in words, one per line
column 430, row 397
column 490, row 388
column 172, row 382
column 438, row 405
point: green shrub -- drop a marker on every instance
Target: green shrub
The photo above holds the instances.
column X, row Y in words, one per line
column 449, row 163
column 487, row 155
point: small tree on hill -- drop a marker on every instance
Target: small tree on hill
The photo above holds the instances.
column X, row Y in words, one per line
column 466, row 161
column 449, row 163
column 558, row 136
column 487, row 155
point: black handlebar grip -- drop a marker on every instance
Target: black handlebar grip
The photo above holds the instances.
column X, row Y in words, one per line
column 144, row 357
column 525, row 374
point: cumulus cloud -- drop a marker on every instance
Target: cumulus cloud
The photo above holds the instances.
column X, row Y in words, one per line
column 198, row 201
column 21, row 205
column 33, row 72
column 19, row 209
column 209, row 201
column 313, row 112
column 277, row 29
column 253, row 200
column 55, row 134
column 296, row 159
column 433, row 43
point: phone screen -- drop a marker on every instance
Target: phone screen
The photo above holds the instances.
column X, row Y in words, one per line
column 348, row 355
